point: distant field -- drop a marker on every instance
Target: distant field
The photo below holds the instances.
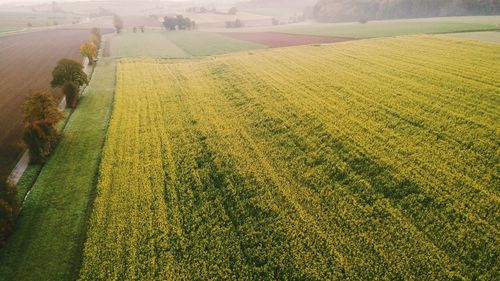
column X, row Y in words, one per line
column 284, row 11
column 151, row 43
column 277, row 39
column 365, row 160
column 131, row 21
column 27, row 61
column 487, row 36
column 7, row 29
column 175, row 44
column 204, row 43
column 393, row 27
column 212, row 18
column 22, row 19
column 50, row 231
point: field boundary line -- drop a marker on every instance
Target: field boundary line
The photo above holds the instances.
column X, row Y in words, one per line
column 93, row 193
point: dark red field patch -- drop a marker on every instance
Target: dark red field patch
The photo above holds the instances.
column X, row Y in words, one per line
column 277, row 39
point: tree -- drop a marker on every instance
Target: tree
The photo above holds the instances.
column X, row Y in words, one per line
column 95, row 39
column 118, row 23
column 234, row 24
column 96, row 36
column 54, row 7
column 89, row 50
column 170, row 23
column 69, row 71
column 181, row 22
column 178, row 22
column 72, row 94
column 135, row 29
column 233, row 11
column 41, row 115
column 9, row 208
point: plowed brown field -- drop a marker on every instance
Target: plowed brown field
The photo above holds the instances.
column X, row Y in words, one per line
column 27, row 61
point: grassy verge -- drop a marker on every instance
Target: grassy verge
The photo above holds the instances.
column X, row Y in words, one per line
column 47, row 242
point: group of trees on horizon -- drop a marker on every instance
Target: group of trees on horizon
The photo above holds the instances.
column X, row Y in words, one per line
column 204, row 10
column 117, row 23
column 178, row 22
column 237, row 23
column 362, row 10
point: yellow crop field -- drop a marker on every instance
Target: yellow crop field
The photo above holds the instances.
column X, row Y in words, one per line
column 367, row 160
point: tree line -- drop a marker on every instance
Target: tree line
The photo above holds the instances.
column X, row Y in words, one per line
column 362, row 10
column 41, row 115
column 178, row 22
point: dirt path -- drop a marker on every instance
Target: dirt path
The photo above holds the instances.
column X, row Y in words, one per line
column 18, row 171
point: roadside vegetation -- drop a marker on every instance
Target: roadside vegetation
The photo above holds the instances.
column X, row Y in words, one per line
column 41, row 116
column 70, row 76
column 51, row 229
column 26, row 68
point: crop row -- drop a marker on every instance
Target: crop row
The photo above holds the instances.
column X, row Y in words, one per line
column 311, row 163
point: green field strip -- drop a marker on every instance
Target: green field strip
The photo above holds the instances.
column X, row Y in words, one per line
column 487, row 36
column 206, row 43
column 148, row 44
column 176, row 44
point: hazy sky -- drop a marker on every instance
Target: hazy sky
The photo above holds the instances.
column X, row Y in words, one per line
column 48, row 1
